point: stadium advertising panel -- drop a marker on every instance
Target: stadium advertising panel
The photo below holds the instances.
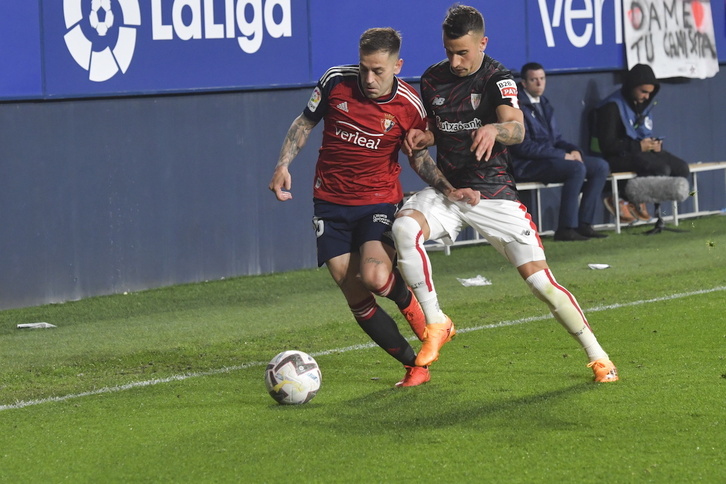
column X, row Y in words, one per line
column 98, row 47
column 123, row 47
column 576, row 35
column 20, row 50
column 420, row 27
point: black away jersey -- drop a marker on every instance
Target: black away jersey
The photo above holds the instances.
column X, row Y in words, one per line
column 456, row 106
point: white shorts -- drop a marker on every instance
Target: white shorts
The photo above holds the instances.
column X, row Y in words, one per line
column 505, row 224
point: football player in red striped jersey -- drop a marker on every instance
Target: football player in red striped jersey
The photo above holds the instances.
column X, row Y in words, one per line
column 366, row 112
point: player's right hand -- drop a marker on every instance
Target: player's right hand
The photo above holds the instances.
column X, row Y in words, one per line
column 281, row 183
column 465, row 195
column 416, row 140
column 483, row 142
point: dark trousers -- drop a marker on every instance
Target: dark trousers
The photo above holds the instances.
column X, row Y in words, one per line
column 649, row 163
column 588, row 178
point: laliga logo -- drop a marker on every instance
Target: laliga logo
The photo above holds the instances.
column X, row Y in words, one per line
column 101, row 60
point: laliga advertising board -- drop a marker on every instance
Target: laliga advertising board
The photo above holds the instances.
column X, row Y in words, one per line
column 143, row 46
column 101, row 47
column 125, row 47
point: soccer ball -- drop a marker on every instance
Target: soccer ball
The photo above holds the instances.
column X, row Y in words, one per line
column 293, row 377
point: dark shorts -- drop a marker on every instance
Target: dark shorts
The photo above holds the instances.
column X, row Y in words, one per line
column 342, row 229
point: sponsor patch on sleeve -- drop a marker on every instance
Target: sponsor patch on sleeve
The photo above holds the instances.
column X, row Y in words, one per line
column 508, row 90
column 315, row 98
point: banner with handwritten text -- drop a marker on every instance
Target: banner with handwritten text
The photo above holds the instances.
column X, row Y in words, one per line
column 675, row 37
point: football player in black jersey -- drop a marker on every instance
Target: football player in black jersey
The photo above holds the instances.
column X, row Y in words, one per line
column 473, row 113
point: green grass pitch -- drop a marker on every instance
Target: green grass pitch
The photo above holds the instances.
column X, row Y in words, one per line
column 167, row 385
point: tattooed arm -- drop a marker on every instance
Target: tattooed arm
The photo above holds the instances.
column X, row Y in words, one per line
column 426, row 168
column 295, row 139
column 509, row 130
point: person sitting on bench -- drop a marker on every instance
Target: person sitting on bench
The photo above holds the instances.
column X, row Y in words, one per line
column 624, row 135
column 544, row 156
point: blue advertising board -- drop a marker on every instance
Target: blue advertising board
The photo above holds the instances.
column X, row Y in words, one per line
column 98, row 47
column 576, row 35
column 87, row 48
column 20, row 60
column 334, row 43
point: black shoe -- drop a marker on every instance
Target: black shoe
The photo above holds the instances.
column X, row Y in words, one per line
column 567, row 235
column 588, row 231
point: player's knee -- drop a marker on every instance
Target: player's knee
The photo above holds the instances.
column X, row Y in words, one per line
column 404, row 232
column 376, row 278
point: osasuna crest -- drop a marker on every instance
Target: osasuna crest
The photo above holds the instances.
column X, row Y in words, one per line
column 388, row 122
column 475, row 100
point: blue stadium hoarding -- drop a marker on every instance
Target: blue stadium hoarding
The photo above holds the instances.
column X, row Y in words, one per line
column 576, row 35
column 101, row 47
column 20, row 59
column 420, row 26
column 88, row 48
column 562, row 35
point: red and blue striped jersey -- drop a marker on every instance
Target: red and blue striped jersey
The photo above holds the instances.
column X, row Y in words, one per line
column 358, row 160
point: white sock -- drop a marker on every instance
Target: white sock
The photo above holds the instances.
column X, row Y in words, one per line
column 564, row 308
column 415, row 266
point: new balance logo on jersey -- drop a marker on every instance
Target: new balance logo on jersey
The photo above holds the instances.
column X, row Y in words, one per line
column 343, row 106
column 438, row 101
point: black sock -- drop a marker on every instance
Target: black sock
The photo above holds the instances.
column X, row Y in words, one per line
column 399, row 293
column 383, row 330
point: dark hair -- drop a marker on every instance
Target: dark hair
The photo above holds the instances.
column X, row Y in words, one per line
column 383, row 39
column 530, row 66
column 462, row 19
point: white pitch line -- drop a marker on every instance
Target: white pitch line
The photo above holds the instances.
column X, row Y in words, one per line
column 595, row 309
column 228, row 369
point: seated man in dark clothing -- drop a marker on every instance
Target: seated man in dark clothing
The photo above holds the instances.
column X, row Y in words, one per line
column 624, row 132
column 545, row 157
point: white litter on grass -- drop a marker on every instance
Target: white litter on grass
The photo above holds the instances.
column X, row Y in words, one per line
column 598, row 266
column 475, row 281
column 35, row 326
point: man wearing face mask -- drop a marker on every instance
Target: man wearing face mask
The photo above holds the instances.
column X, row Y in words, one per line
column 625, row 136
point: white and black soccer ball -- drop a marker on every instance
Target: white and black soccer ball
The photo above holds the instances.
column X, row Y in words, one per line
column 293, row 377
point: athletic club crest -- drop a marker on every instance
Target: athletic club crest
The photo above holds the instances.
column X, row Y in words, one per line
column 475, row 100
column 388, row 122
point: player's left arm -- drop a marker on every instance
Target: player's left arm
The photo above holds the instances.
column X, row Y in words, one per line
column 508, row 130
column 510, row 126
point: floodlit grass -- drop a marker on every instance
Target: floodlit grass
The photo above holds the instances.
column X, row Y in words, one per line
column 510, row 399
